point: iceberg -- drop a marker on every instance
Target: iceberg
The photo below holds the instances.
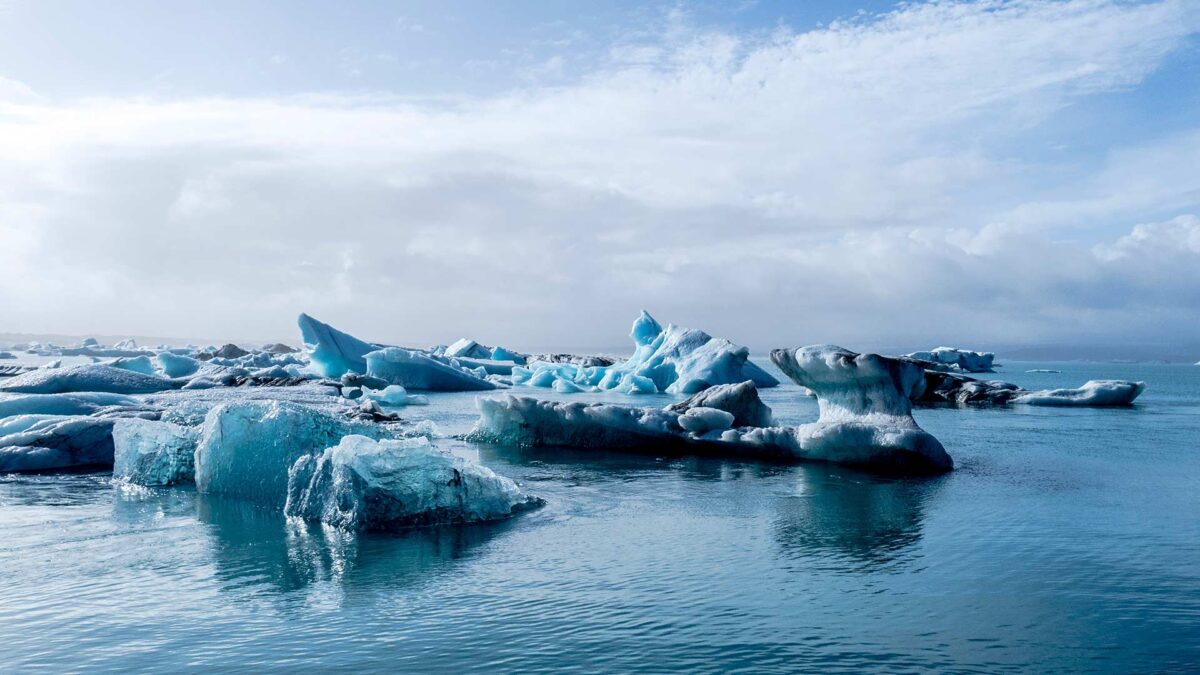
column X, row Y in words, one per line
column 246, row 447
column 53, row 442
column 418, row 370
column 1094, row 393
column 960, row 359
column 530, row 422
column 138, row 364
column 174, row 365
column 152, row 453
column 865, row 409
column 674, row 360
column 333, row 352
column 364, row 484
column 79, row 403
column 87, row 377
column 7, row 355
column 394, row 395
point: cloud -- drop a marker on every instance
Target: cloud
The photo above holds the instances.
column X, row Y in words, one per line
column 858, row 183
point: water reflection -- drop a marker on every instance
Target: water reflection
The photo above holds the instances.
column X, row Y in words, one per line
column 254, row 546
column 851, row 521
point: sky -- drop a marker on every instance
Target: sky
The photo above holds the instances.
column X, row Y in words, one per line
column 533, row 174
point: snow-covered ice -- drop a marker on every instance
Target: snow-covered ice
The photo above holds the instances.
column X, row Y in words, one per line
column 1094, row 393
column 153, row 453
column 365, row 484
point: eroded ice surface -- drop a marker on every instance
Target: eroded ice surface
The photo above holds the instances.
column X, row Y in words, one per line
column 362, row 483
column 77, row 403
column 865, row 408
column 1094, row 393
column 674, row 359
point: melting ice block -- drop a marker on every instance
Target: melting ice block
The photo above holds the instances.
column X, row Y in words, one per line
column 865, row 409
column 88, row 377
column 417, row 370
column 673, row 359
column 333, row 352
column 246, row 447
column 1094, row 393
column 152, row 453
column 364, row 484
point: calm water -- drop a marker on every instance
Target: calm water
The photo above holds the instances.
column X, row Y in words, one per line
column 1066, row 539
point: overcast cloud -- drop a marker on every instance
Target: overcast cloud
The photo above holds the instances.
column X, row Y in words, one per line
column 927, row 176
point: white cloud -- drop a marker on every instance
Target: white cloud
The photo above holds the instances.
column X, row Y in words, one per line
column 840, row 184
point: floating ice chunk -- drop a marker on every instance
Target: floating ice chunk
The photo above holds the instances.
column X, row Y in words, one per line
column 740, row 400
column 394, row 394
column 7, row 355
column 80, row 403
column 468, row 349
column 246, row 447
column 201, row 383
column 54, row 443
column 1043, row 370
column 417, row 370
column 138, row 364
column 502, row 354
column 90, row 342
column 363, row 484
column 865, row 409
column 174, row 365
column 50, row 365
column 88, row 377
column 675, row 360
column 961, row 359
column 126, row 344
column 153, row 453
column 701, row 420
column 1094, row 393
column 333, row 352
column 945, row 387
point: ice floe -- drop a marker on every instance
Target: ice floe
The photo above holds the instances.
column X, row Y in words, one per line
column 1094, row 393
column 366, row 484
column 53, row 442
